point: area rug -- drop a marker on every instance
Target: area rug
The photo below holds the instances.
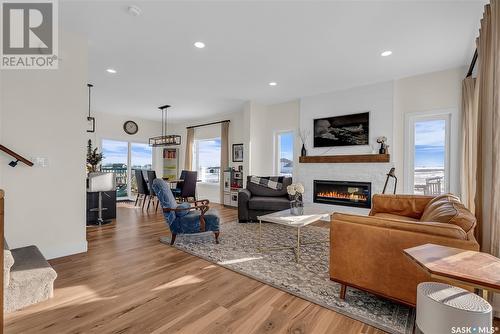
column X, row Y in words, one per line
column 309, row 279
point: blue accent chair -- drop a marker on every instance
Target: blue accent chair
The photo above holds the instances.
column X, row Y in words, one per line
column 184, row 218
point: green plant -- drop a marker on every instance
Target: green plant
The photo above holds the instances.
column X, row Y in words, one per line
column 93, row 157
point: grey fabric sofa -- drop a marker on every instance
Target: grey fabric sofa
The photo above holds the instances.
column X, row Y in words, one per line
column 28, row 277
column 257, row 200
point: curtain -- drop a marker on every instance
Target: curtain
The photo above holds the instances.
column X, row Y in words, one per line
column 224, row 156
column 188, row 161
column 470, row 147
column 484, row 184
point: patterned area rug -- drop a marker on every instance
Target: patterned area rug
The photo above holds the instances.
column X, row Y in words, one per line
column 308, row 280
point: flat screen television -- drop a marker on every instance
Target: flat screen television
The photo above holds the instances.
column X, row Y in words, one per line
column 345, row 130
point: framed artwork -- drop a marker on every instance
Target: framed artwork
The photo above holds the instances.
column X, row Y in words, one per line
column 237, row 152
column 346, row 130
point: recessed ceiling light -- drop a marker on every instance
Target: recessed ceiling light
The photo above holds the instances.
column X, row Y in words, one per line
column 199, row 45
column 111, row 70
column 386, row 53
column 273, row 83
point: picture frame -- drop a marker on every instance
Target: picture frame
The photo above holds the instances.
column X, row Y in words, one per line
column 237, row 152
column 342, row 130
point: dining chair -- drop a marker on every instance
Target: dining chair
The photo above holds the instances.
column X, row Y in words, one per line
column 178, row 188
column 189, row 186
column 152, row 195
column 142, row 187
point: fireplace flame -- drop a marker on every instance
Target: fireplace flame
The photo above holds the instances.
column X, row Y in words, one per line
column 340, row 195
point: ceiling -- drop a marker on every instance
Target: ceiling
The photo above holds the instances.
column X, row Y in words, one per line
column 306, row 47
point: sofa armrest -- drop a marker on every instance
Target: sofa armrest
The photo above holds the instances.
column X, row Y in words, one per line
column 403, row 205
column 244, row 196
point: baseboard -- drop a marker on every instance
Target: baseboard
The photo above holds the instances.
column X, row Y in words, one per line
column 64, row 249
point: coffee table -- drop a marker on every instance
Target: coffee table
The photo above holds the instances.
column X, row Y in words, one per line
column 311, row 214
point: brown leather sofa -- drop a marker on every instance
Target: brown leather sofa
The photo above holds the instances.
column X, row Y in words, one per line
column 366, row 252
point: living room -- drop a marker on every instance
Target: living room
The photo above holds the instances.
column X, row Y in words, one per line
column 296, row 123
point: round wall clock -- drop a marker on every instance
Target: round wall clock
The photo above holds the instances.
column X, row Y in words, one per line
column 130, row 127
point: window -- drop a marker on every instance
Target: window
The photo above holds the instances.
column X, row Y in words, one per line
column 206, row 159
column 284, row 153
column 431, row 144
column 122, row 158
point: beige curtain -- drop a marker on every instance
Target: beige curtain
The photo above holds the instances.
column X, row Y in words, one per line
column 188, row 162
column 470, row 142
column 486, row 138
column 224, row 155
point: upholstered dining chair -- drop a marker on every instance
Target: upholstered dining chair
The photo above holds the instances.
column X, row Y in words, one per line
column 152, row 195
column 185, row 218
column 142, row 187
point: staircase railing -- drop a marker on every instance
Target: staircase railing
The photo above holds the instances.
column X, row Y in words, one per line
column 16, row 156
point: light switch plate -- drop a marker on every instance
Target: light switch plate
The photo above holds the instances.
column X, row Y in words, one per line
column 41, row 162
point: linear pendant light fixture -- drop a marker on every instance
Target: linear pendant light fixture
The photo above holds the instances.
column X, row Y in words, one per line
column 164, row 139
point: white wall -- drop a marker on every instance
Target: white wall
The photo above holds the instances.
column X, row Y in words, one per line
column 424, row 93
column 377, row 99
column 265, row 122
column 44, row 115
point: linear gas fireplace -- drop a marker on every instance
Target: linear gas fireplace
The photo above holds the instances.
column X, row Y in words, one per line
column 357, row 194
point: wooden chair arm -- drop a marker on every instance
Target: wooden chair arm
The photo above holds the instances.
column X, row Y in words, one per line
column 201, row 201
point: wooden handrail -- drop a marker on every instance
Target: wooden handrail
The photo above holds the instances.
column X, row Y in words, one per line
column 16, row 156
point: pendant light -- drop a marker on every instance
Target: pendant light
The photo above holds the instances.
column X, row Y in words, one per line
column 165, row 139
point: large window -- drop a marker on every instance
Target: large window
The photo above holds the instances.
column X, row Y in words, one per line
column 284, row 153
column 206, row 159
column 431, row 144
column 122, row 158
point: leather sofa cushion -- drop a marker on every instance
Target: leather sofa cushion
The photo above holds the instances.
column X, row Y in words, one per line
column 448, row 209
column 268, row 203
column 258, row 190
column 393, row 216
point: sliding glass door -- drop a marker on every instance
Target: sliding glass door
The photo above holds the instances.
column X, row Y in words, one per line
column 116, row 161
column 141, row 157
column 123, row 158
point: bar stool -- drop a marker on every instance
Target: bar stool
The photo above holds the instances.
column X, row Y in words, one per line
column 442, row 308
column 100, row 183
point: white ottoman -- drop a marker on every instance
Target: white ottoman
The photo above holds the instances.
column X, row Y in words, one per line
column 442, row 307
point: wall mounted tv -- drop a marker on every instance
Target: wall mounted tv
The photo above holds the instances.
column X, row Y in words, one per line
column 346, row 130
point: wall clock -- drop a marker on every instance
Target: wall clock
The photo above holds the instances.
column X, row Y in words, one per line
column 130, row 127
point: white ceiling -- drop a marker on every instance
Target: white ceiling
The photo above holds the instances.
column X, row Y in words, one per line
column 307, row 47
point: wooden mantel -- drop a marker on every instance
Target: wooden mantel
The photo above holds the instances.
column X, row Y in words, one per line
column 353, row 158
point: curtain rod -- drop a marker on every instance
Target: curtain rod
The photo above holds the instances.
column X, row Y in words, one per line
column 206, row 124
column 472, row 64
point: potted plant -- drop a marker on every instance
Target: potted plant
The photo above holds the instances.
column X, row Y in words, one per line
column 94, row 158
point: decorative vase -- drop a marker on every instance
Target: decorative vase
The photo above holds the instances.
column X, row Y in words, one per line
column 382, row 149
column 297, row 207
column 303, row 151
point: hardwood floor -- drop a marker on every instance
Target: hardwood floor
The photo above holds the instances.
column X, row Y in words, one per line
column 128, row 282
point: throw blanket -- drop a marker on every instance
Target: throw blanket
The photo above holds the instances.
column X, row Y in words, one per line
column 273, row 182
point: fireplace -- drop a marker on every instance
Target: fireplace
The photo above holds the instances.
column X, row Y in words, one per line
column 357, row 194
